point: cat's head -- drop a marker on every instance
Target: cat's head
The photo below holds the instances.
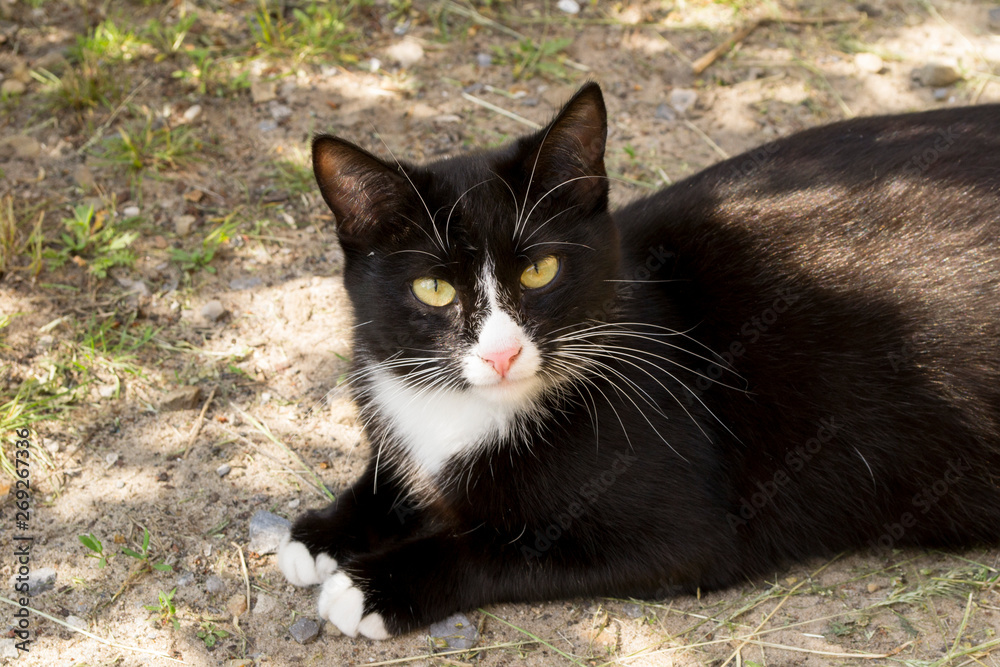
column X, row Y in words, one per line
column 464, row 273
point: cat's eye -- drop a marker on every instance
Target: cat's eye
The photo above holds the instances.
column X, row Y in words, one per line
column 541, row 273
column 433, row 292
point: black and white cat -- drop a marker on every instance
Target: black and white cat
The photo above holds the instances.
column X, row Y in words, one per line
column 794, row 352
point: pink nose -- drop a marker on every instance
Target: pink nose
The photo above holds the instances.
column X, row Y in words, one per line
column 501, row 360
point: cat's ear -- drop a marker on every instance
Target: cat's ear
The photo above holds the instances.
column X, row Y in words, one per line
column 570, row 155
column 359, row 188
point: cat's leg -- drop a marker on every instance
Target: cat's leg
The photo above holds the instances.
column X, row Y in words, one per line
column 359, row 520
column 422, row 580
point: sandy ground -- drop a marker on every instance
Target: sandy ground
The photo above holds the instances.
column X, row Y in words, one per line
column 122, row 463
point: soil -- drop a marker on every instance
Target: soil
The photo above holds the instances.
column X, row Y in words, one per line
column 123, row 463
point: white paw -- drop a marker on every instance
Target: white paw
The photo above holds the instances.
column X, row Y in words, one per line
column 299, row 566
column 343, row 604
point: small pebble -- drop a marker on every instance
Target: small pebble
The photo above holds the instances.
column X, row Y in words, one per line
column 39, row 580
column 267, row 126
column 266, row 532
column 12, row 87
column 214, row 584
column 21, row 146
column 869, row 62
column 183, row 224
column 406, row 52
column 633, row 610
column 182, row 398
column 265, row 604
column 483, row 60
column 8, row 649
column 223, row 470
column 994, row 18
column 237, row 604
column 280, row 112
column 569, row 6
column 304, row 630
column 665, row 112
column 247, row 282
column 940, row 94
column 293, row 503
column 84, row 177
column 77, row 622
column 185, row 579
column 131, row 211
column 935, row 75
column 455, row 632
column 263, row 91
column 682, row 99
column 213, row 310
column 192, row 112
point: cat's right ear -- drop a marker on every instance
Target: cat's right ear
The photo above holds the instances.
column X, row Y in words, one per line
column 359, row 188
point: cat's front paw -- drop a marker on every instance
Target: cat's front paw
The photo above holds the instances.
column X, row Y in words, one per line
column 343, row 604
column 300, row 567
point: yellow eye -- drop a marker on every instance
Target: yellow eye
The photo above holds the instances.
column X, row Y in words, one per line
column 433, row 292
column 541, row 273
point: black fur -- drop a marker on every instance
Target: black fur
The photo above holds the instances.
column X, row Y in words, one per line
column 801, row 354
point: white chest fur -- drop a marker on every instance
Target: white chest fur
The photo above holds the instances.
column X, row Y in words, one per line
column 437, row 424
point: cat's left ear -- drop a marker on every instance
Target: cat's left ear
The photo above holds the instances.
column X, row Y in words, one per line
column 570, row 155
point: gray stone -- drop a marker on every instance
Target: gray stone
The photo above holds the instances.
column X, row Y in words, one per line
column 994, row 18
column 279, row 112
column 263, row 91
column 869, row 62
column 184, row 579
column 633, row 610
column 223, row 470
column 682, row 99
column 8, row 649
column 77, row 622
column 665, row 112
column 267, row 531
column 183, row 224
column 406, row 52
column 483, row 60
column 304, row 630
column 935, row 75
column 456, row 632
column 84, row 177
column 247, row 282
column 39, row 580
column 267, row 126
column 215, row 584
column 21, row 146
column 941, row 94
column 192, row 112
column 213, row 310
column 182, row 398
column 265, row 605
column 12, row 87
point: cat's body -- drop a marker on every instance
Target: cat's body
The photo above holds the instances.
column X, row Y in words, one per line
column 793, row 352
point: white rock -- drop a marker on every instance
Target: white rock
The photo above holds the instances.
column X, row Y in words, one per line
column 569, row 6
column 192, row 112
